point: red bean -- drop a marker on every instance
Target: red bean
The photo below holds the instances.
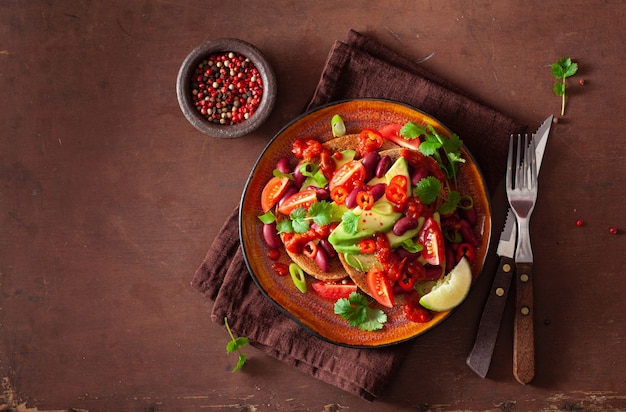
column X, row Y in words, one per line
column 383, row 165
column 469, row 215
column 418, row 174
column 351, row 199
column 377, row 191
column 291, row 190
column 271, row 237
column 321, row 259
column 283, row 165
column 370, row 162
column 404, row 224
column 328, row 248
column 298, row 177
column 466, row 231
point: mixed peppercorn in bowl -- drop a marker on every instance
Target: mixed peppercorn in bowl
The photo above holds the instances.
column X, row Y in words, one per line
column 226, row 88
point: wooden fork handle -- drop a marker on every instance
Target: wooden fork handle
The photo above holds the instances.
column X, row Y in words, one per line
column 523, row 329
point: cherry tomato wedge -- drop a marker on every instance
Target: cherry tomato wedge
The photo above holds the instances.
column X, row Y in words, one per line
column 431, row 238
column 380, row 287
column 303, row 199
column 333, row 291
column 369, row 141
column 273, row 191
column 392, row 132
column 349, row 176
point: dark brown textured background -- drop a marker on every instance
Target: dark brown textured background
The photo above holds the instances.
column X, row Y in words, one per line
column 108, row 201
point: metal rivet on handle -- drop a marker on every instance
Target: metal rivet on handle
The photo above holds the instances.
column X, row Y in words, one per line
column 500, row 291
column 506, row 267
column 524, row 277
column 525, row 310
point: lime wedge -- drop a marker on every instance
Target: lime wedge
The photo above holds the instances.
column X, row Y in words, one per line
column 451, row 290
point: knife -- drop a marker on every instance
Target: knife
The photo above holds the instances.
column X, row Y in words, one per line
column 479, row 358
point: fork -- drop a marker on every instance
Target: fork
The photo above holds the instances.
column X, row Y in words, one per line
column 521, row 190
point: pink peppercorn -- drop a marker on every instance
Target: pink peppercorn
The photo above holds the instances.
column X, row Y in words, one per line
column 227, row 88
column 613, row 230
column 580, row 222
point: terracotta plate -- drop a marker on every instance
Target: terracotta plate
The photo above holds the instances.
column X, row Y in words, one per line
column 311, row 311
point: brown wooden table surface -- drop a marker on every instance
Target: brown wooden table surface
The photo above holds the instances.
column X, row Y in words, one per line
column 109, row 200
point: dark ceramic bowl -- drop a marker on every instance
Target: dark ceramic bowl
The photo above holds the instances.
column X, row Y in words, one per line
column 185, row 77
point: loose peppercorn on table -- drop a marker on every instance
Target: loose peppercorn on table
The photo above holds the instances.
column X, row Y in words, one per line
column 116, row 266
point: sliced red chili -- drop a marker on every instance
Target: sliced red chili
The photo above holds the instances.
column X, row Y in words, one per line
column 369, row 141
column 365, row 200
column 396, row 194
column 468, row 250
column 401, row 181
column 367, row 246
column 339, row 194
column 310, row 249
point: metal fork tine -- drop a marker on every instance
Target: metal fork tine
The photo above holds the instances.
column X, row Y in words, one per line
column 509, row 170
column 520, row 180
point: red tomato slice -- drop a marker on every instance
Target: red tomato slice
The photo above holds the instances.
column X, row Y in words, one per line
column 380, row 286
column 349, row 176
column 303, row 199
column 392, row 132
column 333, row 291
column 273, row 191
column 431, row 238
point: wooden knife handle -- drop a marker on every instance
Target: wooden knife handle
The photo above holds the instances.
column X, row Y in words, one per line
column 479, row 358
column 523, row 329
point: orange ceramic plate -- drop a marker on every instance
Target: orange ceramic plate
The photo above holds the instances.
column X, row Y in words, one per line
column 311, row 311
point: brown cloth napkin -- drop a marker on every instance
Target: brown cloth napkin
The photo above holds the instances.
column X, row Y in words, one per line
column 357, row 67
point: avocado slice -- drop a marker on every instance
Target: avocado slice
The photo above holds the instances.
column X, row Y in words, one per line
column 400, row 167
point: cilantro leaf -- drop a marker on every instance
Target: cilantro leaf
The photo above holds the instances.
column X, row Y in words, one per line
column 321, row 212
column 298, row 220
column 412, row 130
column 235, row 344
column 350, row 222
column 428, row 189
column 284, row 226
column 430, row 145
column 451, row 203
column 355, row 309
column 561, row 69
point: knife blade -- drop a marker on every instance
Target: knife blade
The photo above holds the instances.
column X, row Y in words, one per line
column 479, row 358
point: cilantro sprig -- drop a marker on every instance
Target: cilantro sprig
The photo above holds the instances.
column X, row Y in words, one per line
column 562, row 69
column 428, row 190
column 356, row 310
column 435, row 144
column 300, row 219
column 235, row 345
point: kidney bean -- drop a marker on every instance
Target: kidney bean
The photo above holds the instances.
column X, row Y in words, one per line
column 322, row 193
column 433, row 272
column 383, row 165
column 271, row 237
column 283, row 165
column 328, row 248
column 321, row 259
column 370, row 162
column 403, row 253
column 291, row 190
column 450, row 258
column 377, row 191
column 418, row 174
column 404, row 224
column 298, row 177
column 351, row 199
column 469, row 215
column 466, row 231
